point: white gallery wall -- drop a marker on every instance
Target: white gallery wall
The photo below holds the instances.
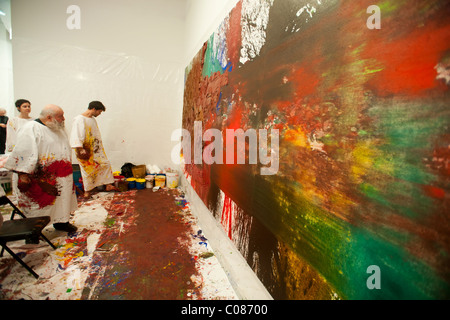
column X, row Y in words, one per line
column 130, row 55
column 127, row 54
column 6, row 69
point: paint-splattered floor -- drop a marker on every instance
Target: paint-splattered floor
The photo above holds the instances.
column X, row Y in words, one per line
column 132, row 245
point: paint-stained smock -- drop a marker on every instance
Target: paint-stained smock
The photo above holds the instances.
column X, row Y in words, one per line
column 12, row 128
column 95, row 167
column 46, row 156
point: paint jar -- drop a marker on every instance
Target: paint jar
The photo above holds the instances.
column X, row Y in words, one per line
column 172, row 179
column 160, row 180
column 140, row 184
column 123, row 185
column 79, row 186
column 117, row 179
column 150, row 179
column 116, row 173
column 76, row 172
column 131, row 183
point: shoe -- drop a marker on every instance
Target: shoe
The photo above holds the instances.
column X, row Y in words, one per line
column 65, row 227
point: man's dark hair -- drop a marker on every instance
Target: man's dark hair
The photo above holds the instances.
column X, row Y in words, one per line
column 21, row 102
column 97, row 105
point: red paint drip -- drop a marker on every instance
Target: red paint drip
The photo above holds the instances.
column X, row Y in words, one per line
column 227, row 215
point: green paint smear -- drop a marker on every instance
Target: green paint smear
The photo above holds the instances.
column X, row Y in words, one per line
column 212, row 63
column 408, row 132
column 341, row 252
column 402, row 275
column 110, row 222
column 388, row 7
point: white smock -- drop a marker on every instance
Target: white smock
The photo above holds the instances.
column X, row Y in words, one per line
column 46, row 156
column 12, row 128
column 95, row 167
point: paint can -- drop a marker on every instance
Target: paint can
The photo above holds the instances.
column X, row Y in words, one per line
column 123, row 185
column 117, row 179
column 150, row 180
column 131, row 183
column 79, row 186
column 172, row 179
column 160, row 180
column 76, row 172
column 140, row 184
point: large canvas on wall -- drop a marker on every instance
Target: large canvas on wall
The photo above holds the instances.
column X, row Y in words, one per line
column 349, row 106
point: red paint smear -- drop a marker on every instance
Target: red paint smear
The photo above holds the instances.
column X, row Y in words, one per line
column 434, row 192
column 305, row 79
column 227, row 215
column 43, row 189
column 408, row 62
column 200, row 179
column 235, row 119
column 39, row 196
column 234, row 37
column 208, row 96
column 159, row 267
column 60, row 169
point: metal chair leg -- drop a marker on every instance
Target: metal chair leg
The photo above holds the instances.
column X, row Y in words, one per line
column 20, row 261
column 48, row 241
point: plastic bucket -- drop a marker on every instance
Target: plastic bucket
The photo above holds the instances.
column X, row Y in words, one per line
column 117, row 179
column 172, row 179
column 140, row 184
column 131, row 183
column 123, row 185
column 150, row 179
column 160, row 180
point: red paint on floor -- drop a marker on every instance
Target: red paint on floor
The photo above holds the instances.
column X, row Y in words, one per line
column 149, row 261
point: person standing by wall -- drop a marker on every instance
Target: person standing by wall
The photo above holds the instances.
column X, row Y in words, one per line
column 3, row 122
column 85, row 138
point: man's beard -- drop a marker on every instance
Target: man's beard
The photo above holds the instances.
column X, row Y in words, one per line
column 55, row 125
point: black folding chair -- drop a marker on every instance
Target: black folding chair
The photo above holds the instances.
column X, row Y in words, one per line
column 21, row 229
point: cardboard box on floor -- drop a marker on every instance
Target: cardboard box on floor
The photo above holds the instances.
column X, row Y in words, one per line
column 139, row 171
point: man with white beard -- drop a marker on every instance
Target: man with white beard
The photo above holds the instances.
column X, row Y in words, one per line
column 42, row 158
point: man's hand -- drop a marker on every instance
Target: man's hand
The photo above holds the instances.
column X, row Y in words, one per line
column 24, row 178
column 82, row 153
column 24, row 182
